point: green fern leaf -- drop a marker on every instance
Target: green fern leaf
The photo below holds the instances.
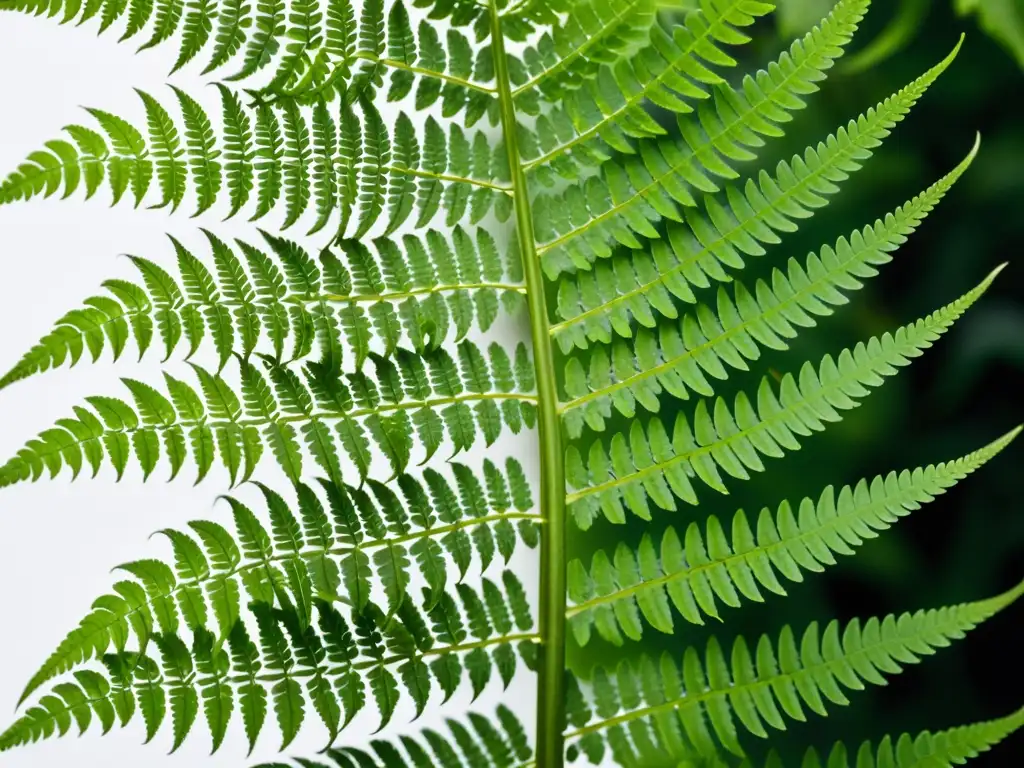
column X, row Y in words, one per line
column 635, row 192
column 374, row 588
column 752, row 214
column 202, row 151
column 196, row 31
column 425, row 284
column 696, row 571
column 355, row 516
column 706, row 700
column 163, row 137
column 284, row 571
column 647, row 464
column 233, row 21
column 707, row 342
column 304, row 157
column 674, row 68
column 952, row 747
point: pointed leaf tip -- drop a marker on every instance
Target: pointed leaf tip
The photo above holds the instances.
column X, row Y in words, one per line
column 993, row 275
column 951, row 56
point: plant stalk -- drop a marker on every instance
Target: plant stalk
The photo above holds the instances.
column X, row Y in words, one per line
column 550, row 738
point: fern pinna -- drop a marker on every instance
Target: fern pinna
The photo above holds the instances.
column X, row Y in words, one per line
column 423, row 172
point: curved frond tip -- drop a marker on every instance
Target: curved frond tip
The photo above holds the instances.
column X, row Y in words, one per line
column 955, row 746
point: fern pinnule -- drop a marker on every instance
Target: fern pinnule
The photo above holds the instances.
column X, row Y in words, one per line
column 698, row 570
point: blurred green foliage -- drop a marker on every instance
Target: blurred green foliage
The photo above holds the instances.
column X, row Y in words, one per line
column 1003, row 20
column 966, row 391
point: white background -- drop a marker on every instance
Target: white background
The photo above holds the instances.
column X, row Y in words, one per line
column 59, row 540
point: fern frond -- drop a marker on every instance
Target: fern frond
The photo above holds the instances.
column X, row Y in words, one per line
column 707, row 702
column 419, row 291
column 634, row 192
column 295, row 159
column 376, row 586
column 698, row 570
column 679, row 358
column 416, row 402
column 496, row 742
column 648, row 465
column 326, row 556
column 591, row 123
column 927, row 750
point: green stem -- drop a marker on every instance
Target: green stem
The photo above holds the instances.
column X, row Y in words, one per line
column 393, row 64
column 552, row 624
column 448, row 178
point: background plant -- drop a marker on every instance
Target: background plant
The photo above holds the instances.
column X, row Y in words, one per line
column 1002, row 20
column 395, row 459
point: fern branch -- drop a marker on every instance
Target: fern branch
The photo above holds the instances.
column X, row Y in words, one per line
column 649, row 463
column 309, row 55
column 697, row 571
column 292, row 653
column 552, row 623
column 351, row 168
column 751, row 215
column 297, row 565
column 465, row 520
column 428, row 400
column 419, row 290
column 638, row 191
column 950, row 747
column 805, row 674
column 709, row 341
column 402, row 66
column 671, row 65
